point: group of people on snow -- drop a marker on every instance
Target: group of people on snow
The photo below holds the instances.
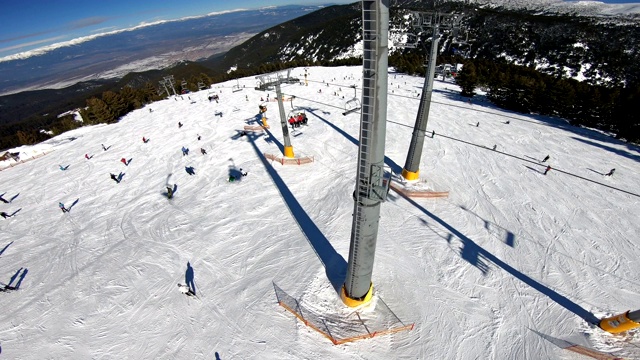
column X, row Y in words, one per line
column 297, row 120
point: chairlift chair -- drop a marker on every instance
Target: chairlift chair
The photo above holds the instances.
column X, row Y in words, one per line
column 352, row 105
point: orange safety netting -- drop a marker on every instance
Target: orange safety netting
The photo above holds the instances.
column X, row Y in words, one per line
column 289, row 161
column 339, row 328
column 418, row 193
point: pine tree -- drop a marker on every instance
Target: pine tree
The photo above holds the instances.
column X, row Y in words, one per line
column 467, row 79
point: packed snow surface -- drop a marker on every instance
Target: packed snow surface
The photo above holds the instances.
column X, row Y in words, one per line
column 511, row 259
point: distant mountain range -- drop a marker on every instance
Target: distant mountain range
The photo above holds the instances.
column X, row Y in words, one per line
column 143, row 48
column 594, row 42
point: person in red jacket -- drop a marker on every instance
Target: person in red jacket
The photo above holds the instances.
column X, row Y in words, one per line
column 292, row 122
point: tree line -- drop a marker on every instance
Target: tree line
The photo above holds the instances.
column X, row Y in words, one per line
column 526, row 90
column 111, row 105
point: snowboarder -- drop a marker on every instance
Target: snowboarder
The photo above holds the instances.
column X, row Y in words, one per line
column 547, row 169
column 610, row 172
column 64, row 209
column 495, row 146
column 185, row 151
column 4, row 215
column 114, row 177
column 203, row 151
column 169, row 192
column 545, row 158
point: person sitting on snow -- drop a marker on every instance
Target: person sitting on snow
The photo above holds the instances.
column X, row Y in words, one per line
column 114, row 177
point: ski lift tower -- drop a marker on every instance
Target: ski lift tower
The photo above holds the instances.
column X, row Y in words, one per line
column 168, row 80
column 371, row 185
column 422, row 20
column 275, row 79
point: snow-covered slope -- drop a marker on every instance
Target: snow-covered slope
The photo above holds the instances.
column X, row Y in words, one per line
column 585, row 8
column 510, row 257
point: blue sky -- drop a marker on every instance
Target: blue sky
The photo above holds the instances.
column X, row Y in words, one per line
column 31, row 24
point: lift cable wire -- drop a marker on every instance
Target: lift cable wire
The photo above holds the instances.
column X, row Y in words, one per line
column 486, row 148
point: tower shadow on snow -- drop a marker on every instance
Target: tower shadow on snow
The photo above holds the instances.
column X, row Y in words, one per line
column 395, row 168
column 480, row 258
column 334, row 264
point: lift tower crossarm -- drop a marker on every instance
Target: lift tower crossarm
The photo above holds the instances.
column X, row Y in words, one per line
column 275, row 79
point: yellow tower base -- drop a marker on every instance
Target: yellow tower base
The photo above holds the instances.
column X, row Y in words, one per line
column 288, row 151
column 410, row 175
column 619, row 323
column 264, row 122
column 355, row 302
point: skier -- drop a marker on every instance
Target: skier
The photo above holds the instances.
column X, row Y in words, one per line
column 185, row 151
column 243, row 173
column 610, row 172
column 179, row 124
column 203, row 151
column 124, row 161
column 185, row 290
column 198, row 136
column 190, row 170
column 114, row 177
column 88, row 157
column 3, row 199
column 63, row 168
column 478, row 124
column 545, row 158
column 169, row 192
column 4, row 215
column 547, row 169
column 145, row 140
column 103, row 147
column 64, row 209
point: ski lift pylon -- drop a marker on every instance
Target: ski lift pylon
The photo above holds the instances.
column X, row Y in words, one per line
column 236, row 87
column 352, row 105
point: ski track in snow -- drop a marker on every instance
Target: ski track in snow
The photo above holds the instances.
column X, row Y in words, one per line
column 509, row 253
